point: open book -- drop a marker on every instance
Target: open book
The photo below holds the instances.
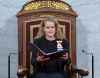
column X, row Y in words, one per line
column 50, row 54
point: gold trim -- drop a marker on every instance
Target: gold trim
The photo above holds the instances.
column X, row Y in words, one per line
column 46, row 4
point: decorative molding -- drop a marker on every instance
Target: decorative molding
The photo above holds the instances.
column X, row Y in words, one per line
column 46, row 4
column 32, row 27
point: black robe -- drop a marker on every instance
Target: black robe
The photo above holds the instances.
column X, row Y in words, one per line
column 52, row 68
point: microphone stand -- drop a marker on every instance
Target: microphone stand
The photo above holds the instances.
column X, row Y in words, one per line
column 91, row 54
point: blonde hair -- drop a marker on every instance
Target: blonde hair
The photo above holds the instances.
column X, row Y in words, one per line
column 58, row 34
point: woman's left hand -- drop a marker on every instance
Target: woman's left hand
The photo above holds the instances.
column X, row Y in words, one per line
column 65, row 56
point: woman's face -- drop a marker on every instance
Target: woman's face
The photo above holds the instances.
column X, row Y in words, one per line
column 49, row 28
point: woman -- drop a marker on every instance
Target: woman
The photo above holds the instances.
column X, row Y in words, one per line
column 50, row 40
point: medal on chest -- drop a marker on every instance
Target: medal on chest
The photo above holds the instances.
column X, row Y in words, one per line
column 59, row 45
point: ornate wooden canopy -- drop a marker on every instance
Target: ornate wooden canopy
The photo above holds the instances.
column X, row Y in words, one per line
column 29, row 19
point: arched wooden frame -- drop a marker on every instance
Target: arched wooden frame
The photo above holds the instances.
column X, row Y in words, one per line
column 30, row 30
column 29, row 23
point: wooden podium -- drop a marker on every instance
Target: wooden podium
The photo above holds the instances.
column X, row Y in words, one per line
column 29, row 22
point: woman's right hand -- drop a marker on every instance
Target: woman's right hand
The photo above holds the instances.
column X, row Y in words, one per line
column 42, row 58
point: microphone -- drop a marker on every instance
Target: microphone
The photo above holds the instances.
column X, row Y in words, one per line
column 83, row 51
column 87, row 53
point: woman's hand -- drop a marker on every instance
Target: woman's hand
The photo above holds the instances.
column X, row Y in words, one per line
column 65, row 56
column 42, row 58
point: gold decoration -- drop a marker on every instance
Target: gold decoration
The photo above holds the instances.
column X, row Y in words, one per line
column 48, row 4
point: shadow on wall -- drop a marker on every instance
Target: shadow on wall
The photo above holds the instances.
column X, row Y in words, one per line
column 9, row 43
column 11, row 33
column 81, row 43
